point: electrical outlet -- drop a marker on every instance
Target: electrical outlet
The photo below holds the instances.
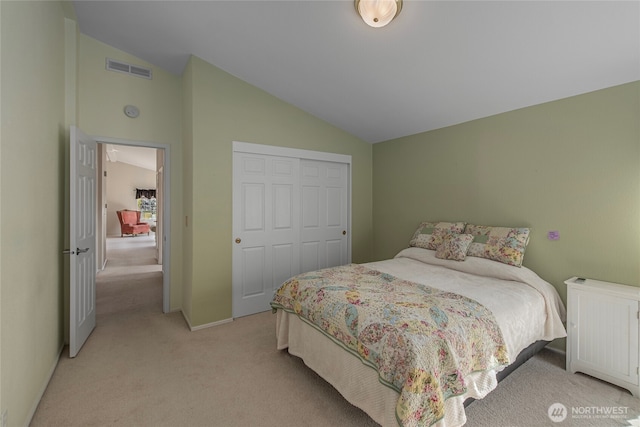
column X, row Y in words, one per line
column 5, row 417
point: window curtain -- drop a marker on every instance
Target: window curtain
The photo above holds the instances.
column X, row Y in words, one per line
column 149, row 194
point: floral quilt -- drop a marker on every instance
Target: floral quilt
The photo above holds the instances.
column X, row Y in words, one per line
column 422, row 341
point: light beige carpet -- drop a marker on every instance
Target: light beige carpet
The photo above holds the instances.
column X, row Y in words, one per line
column 144, row 368
column 524, row 398
column 130, row 255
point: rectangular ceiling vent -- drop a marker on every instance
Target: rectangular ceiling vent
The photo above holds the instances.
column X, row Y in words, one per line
column 123, row 67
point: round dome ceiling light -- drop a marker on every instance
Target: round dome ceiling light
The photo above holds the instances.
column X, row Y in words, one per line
column 378, row 13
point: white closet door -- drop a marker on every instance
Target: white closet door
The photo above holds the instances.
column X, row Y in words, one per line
column 324, row 240
column 266, row 228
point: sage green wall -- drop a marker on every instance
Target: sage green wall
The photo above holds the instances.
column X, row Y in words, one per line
column 32, row 212
column 226, row 109
column 187, row 190
column 2, row 407
column 102, row 96
column 571, row 165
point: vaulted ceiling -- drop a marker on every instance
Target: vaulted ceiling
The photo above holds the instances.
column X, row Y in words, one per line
column 439, row 63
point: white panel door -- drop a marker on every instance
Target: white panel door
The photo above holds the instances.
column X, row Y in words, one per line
column 324, row 189
column 82, row 239
column 266, row 224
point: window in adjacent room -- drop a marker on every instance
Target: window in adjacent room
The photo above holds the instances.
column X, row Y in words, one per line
column 146, row 204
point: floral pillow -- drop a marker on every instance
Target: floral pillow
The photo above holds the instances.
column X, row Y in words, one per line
column 502, row 244
column 430, row 234
column 454, row 247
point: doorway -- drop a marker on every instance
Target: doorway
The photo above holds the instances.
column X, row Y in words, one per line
column 125, row 168
column 129, row 183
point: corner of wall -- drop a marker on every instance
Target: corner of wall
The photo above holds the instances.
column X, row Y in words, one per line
column 2, row 408
column 187, row 189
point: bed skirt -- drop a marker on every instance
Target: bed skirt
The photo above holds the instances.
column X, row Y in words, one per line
column 358, row 383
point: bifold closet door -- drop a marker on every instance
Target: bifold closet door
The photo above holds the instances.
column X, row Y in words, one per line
column 266, row 247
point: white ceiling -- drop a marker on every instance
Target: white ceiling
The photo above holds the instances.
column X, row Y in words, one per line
column 439, row 63
column 141, row 157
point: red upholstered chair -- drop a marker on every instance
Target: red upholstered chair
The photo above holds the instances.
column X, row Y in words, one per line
column 130, row 223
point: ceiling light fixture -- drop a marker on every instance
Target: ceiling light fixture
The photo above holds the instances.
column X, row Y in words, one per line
column 378, row 13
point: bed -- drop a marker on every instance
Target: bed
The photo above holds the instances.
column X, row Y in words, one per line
column 410, row 339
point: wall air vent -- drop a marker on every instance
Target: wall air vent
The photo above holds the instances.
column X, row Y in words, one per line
column 123, row 67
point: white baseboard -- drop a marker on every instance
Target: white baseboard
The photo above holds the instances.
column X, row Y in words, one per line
column 558, row 345
column 206, row 325
column 186, row 319
column 34, row 407
column 556, row 350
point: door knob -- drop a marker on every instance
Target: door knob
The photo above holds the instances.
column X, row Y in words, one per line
column 238, row 240
column 344, row 232
column 81, row 251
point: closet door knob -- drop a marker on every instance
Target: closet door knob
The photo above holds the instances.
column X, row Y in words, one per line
column 238, row 240
column 344, row 232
